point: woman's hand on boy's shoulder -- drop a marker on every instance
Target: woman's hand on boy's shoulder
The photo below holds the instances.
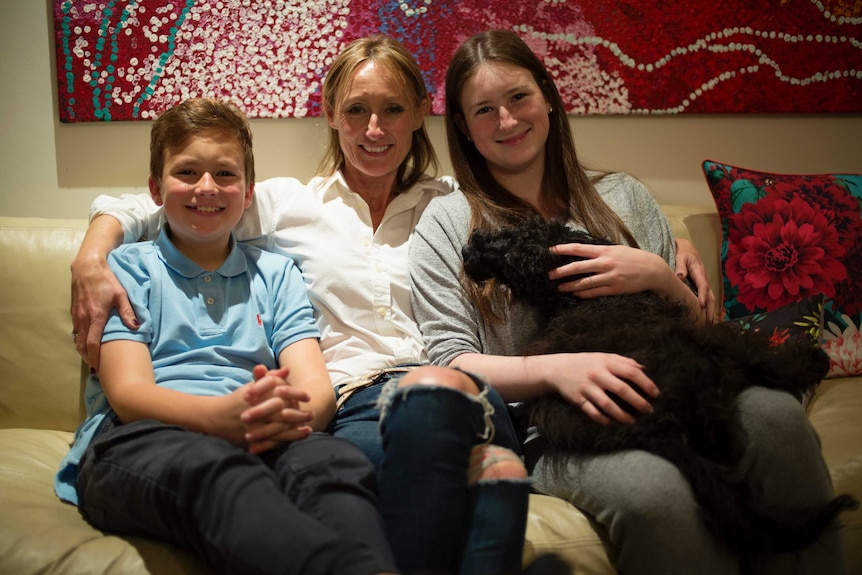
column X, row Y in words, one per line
column 96, row 290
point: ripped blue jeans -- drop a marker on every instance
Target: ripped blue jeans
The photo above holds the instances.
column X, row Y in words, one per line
column 420, row 439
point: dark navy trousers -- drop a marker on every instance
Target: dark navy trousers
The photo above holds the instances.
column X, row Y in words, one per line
column 308, row 507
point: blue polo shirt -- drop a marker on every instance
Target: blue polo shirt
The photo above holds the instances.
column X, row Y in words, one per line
column 206, row 330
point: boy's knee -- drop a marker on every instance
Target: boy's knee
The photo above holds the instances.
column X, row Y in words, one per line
column 440, row 376
column 489, row 462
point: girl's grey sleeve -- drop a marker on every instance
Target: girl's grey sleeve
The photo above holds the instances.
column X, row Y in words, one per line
column 446, row 318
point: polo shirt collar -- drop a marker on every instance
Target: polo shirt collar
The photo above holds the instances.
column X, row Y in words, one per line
column 234, row 265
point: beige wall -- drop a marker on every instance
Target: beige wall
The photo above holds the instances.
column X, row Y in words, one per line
column 53, row 169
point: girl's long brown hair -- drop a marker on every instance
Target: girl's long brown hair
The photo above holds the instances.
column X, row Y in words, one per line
column 566, row 186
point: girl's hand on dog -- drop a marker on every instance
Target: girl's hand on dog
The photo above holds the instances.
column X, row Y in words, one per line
column 622, row 270
column 586, row 378
column 611, row 270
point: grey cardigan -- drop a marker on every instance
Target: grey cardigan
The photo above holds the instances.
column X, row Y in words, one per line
column 449, row 322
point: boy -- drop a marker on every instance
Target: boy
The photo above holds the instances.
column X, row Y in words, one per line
column 199, row 427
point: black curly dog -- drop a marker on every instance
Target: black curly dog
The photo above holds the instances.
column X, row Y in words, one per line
column 700, row 371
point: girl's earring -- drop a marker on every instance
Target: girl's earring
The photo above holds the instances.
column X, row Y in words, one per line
column 550, row 109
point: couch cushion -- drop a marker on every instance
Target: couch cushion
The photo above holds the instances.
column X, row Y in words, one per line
column 556, row 526
column 39, row 534
column 835, row 412
column 39, row 367
column 785, row 237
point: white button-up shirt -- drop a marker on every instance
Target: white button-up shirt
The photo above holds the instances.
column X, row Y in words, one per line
column 357, row 278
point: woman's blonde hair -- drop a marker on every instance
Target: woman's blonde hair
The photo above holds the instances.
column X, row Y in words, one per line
column 391, row 56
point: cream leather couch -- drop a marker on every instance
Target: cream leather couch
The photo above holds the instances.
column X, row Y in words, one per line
column 41, row 405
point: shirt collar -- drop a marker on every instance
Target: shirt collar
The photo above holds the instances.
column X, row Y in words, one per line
column 234, row 265
column 335, row 186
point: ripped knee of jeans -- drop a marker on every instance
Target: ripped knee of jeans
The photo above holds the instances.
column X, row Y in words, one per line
column 489, row 462
column 437, row 379
column 443, row 377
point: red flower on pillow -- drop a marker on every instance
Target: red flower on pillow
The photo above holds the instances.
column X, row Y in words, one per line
column 843, row 211
column 831, row 199
column 779, row 337
column 821, row 251
column 780, row 251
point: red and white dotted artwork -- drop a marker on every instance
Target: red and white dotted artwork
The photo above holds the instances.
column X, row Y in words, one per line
column 131, row 59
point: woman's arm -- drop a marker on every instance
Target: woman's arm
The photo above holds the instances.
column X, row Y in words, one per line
column 95, row 289
column 126, row 219
column 624, row 270
column 689, row 265
column 584, row 379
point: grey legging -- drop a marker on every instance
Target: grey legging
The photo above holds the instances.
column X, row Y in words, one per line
column 650, row 517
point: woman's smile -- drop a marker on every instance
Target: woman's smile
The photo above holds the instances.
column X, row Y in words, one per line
column 376, row 150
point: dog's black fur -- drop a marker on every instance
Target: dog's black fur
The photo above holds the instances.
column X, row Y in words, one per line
column 699, row 370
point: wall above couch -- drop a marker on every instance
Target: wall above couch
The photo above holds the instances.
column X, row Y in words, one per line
column 55, row 170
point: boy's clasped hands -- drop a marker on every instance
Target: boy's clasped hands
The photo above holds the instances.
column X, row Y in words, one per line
column 272, row 414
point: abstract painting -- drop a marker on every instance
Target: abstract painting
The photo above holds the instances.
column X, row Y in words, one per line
column 131, row 59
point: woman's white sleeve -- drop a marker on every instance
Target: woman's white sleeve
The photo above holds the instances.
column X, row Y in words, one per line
column 140, row 217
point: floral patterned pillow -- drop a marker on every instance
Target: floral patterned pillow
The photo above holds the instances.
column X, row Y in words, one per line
column 799, row 322
column 796, row 322
column 788, row 237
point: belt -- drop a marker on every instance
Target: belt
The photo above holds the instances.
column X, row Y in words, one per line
column 367, row 380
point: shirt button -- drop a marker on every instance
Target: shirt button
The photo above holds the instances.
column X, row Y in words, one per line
column 210, row 300
column 207, row 279
column 381, row 311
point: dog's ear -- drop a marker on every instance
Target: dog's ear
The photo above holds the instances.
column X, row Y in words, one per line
column 484, row 255
column 519, row 256
column 475, row 266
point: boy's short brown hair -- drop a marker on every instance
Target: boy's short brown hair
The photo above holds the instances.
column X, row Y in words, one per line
column 194, row 116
